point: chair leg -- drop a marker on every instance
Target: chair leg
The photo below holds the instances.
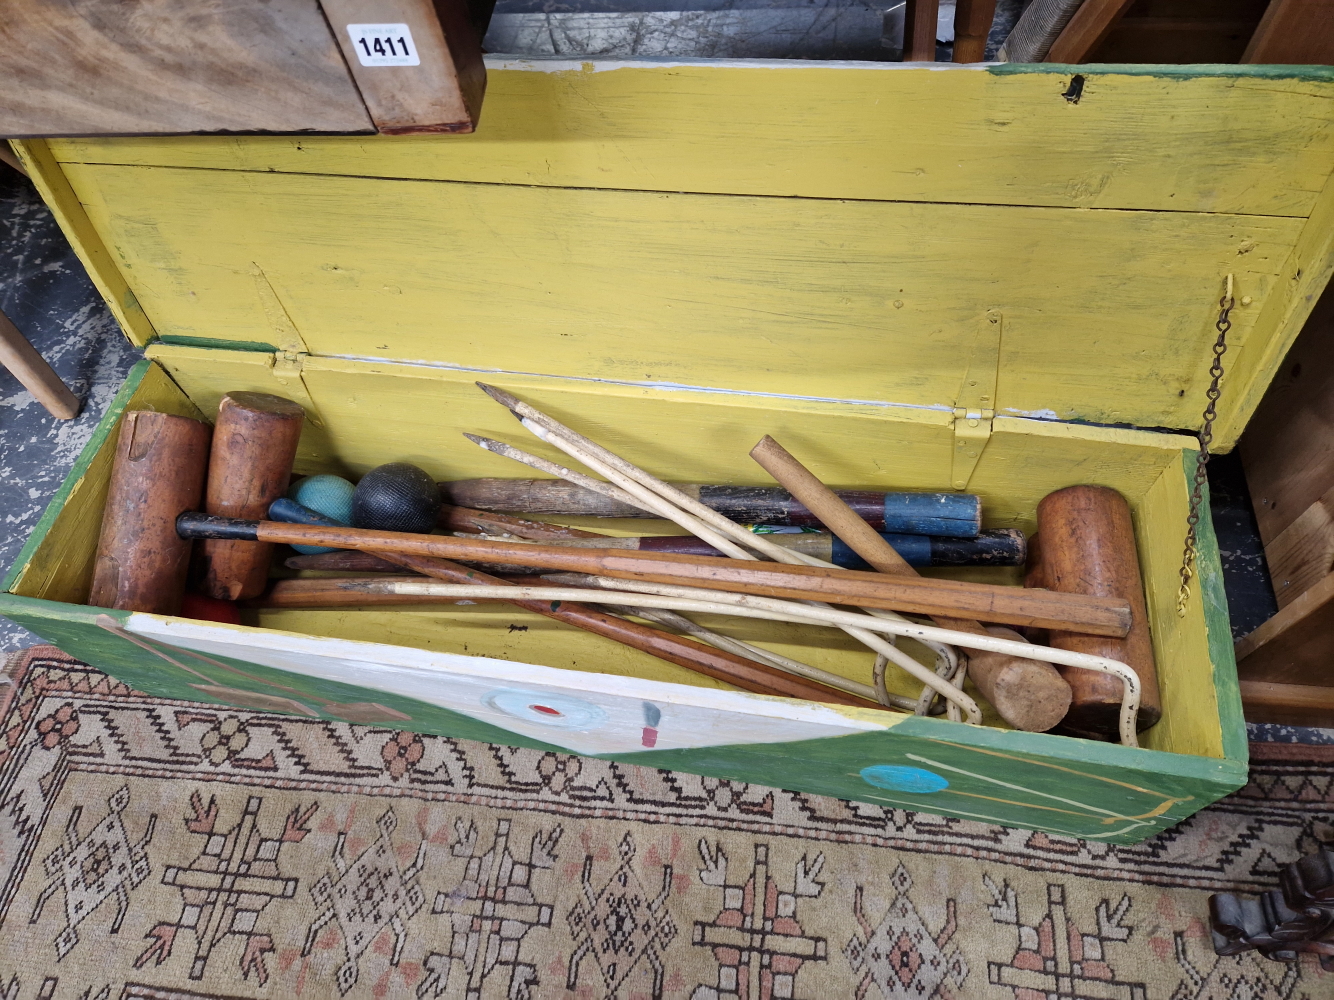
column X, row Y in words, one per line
column 30, row 368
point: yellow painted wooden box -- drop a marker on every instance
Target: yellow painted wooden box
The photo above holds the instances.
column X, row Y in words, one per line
column 677, row 258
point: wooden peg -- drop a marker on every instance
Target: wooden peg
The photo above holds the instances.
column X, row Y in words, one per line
column 156, row 475
column 254, row 445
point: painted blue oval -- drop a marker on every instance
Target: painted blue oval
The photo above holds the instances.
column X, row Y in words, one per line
column 897, row 778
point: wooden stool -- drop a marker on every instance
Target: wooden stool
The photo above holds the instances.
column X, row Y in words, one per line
column 30, row 368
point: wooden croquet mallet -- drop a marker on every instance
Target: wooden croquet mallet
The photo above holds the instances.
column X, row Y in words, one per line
column 157, row 474
column 1028, row 694
column 1088, row 547
column 915, row 595
column 254, row 445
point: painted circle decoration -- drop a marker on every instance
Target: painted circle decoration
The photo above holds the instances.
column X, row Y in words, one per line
column 898, row 778
column 546, row 709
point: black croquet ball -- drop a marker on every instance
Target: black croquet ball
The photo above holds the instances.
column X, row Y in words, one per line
column 396, row 497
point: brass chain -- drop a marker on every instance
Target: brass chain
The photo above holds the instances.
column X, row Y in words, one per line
column 1206, row 436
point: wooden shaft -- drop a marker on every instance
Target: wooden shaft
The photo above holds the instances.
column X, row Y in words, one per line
column 716, row 663
column 1006, row 605
column 157, row 474
column 1087, row 29
column 344, row 592
column 254, row 445
column 32, row 370
column 340, row 592
column 1028, row 694
column 484, row 523
column 342, row 561
column 994, row 548
column 954, row 515
column 1088, row 547
column 972, row 25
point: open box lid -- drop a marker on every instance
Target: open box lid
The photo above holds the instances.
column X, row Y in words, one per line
column 1040, row 241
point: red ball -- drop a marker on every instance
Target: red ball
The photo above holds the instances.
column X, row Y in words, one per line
column 210, row 609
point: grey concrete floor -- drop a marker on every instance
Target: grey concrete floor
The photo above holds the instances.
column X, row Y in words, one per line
column 45, row 291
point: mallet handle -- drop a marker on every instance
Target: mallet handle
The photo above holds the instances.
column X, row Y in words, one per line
column 1009, row 605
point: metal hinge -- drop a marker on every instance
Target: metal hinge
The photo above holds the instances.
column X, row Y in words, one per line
column 976, row 404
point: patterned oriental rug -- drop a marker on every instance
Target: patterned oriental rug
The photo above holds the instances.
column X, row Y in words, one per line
column 159, row 849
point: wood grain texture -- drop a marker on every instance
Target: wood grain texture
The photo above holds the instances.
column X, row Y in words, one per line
column 98, row 67
column 36, row 375
column 1257, row 145
column 1088, row 547
column 1288, row 447
column 1296, row 646
column 479, row 522
column 1289, row 704
column 1294, row 32
column 254, row 445
column 919, row 30
column 972, row 23
column 157, row 475
column 1182, row 31
column 1086, row 30
column 443, row 93
column 1302, row 554
column 363, row 290
column 1305, row 276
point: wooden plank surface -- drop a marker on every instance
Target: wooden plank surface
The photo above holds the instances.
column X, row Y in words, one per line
column 1189, row 139
column 1084, row 32
column 972, row 24
column 1294, row 31
column 1302, row 554
column 889, row 292
column 1288, row 704
column 159, row 66
column 441, row 92
column 1288, row 447
column 1296, row 646
column 1255, row 358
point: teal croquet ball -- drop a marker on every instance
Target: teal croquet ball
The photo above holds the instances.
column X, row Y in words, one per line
column 327, row 495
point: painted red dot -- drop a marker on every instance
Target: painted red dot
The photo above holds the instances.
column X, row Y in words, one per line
column 544, row 710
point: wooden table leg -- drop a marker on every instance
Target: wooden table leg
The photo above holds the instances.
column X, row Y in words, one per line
column 919, row 30
column 972, row 24
column 30, row 368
